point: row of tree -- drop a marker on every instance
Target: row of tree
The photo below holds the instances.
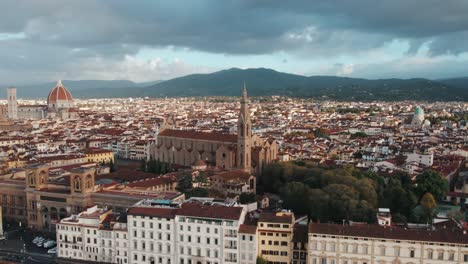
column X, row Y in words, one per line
column 350, row 194
column 156, row 166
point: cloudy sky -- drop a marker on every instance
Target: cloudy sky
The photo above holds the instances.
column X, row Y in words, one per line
column 143, row 40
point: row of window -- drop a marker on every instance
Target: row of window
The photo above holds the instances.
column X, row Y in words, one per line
column 273, row 234
column 275, row 243
column 143, row 234
column 275, row 253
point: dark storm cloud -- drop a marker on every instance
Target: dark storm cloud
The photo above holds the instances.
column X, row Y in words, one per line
column 242, row 27
column 60, row 31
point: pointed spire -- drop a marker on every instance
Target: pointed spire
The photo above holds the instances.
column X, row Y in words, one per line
column 59, row 83
column 244, row 92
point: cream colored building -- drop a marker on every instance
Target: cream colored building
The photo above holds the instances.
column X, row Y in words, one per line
column 373, row 244
column 275, row 235
column 93, row 235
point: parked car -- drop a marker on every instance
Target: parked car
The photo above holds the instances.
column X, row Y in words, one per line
column 40, row 241
column 49, row 243
column 52, row 250
column 36, row 239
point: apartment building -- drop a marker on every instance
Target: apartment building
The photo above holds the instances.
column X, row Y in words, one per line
column 373, row 244
column 92, row 236
column 275, row 235
column 197, row 231
column 248, row 243
column 151, row 232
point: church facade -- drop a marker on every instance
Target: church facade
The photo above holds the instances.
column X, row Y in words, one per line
column 226, row 151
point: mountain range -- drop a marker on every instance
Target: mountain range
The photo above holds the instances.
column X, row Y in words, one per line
column 266, row 82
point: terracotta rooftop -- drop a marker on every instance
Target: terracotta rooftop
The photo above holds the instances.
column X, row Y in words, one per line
column 234, row 175
column 59, row 93
column 192, row 134
column 247, row 229
column 165, row 179
column 273, row 218
column 210, row 211
column 153, row 211
column 375, row 231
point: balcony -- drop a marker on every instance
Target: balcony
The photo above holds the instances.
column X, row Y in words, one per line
column 233, row 235
column 230, row 247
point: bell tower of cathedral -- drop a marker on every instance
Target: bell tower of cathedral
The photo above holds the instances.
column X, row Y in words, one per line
column 244, row 134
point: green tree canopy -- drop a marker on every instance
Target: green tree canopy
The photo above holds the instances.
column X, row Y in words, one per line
column 428, row 205
column 184, row 183
column 295, row 197
column 431, row 182
column 247, row 198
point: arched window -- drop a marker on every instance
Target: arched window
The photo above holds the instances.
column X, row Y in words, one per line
column 77, row 183
column 89, row 181
column 31, row 180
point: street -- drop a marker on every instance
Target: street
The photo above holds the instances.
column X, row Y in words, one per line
column 18, row 248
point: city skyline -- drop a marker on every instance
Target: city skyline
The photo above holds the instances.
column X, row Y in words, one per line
column 160, row 40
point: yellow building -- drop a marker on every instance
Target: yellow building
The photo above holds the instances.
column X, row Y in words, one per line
column 275, row 234
column 99, row 155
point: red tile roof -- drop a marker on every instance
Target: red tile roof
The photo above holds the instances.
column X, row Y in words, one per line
column 234, row 175
column 375, row 231
column 191, row 209
column 59, row 92
column 153, row 211
column 248, row 229
column 145, row 183
column 273, row 218
column 192, row 134
column 210, row 211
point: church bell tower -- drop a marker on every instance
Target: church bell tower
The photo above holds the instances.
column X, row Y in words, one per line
column 244, row 134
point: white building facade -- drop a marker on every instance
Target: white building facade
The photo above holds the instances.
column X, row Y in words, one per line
column 93, row 235
column 371, row 244
column 161, row 232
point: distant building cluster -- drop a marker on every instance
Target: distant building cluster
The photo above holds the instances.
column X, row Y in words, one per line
column 118, row 179
column 59, row 105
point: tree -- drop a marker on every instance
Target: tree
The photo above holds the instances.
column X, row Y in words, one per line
column 431, row 182
column 359, row 135
column 364, row 212
column 399, row 200
column 318, row 209
column 367, row 192
column 247, row 198
column 428, row 205
column 184, row 183
column 342, row 202
column 143, row 165
column 399, row 218
column 201, row 178
column 198, row 192
column 112, row 166
column 261, row 260
column 294, row 196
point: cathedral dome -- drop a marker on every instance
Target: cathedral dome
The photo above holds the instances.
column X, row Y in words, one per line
column 59, row 97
